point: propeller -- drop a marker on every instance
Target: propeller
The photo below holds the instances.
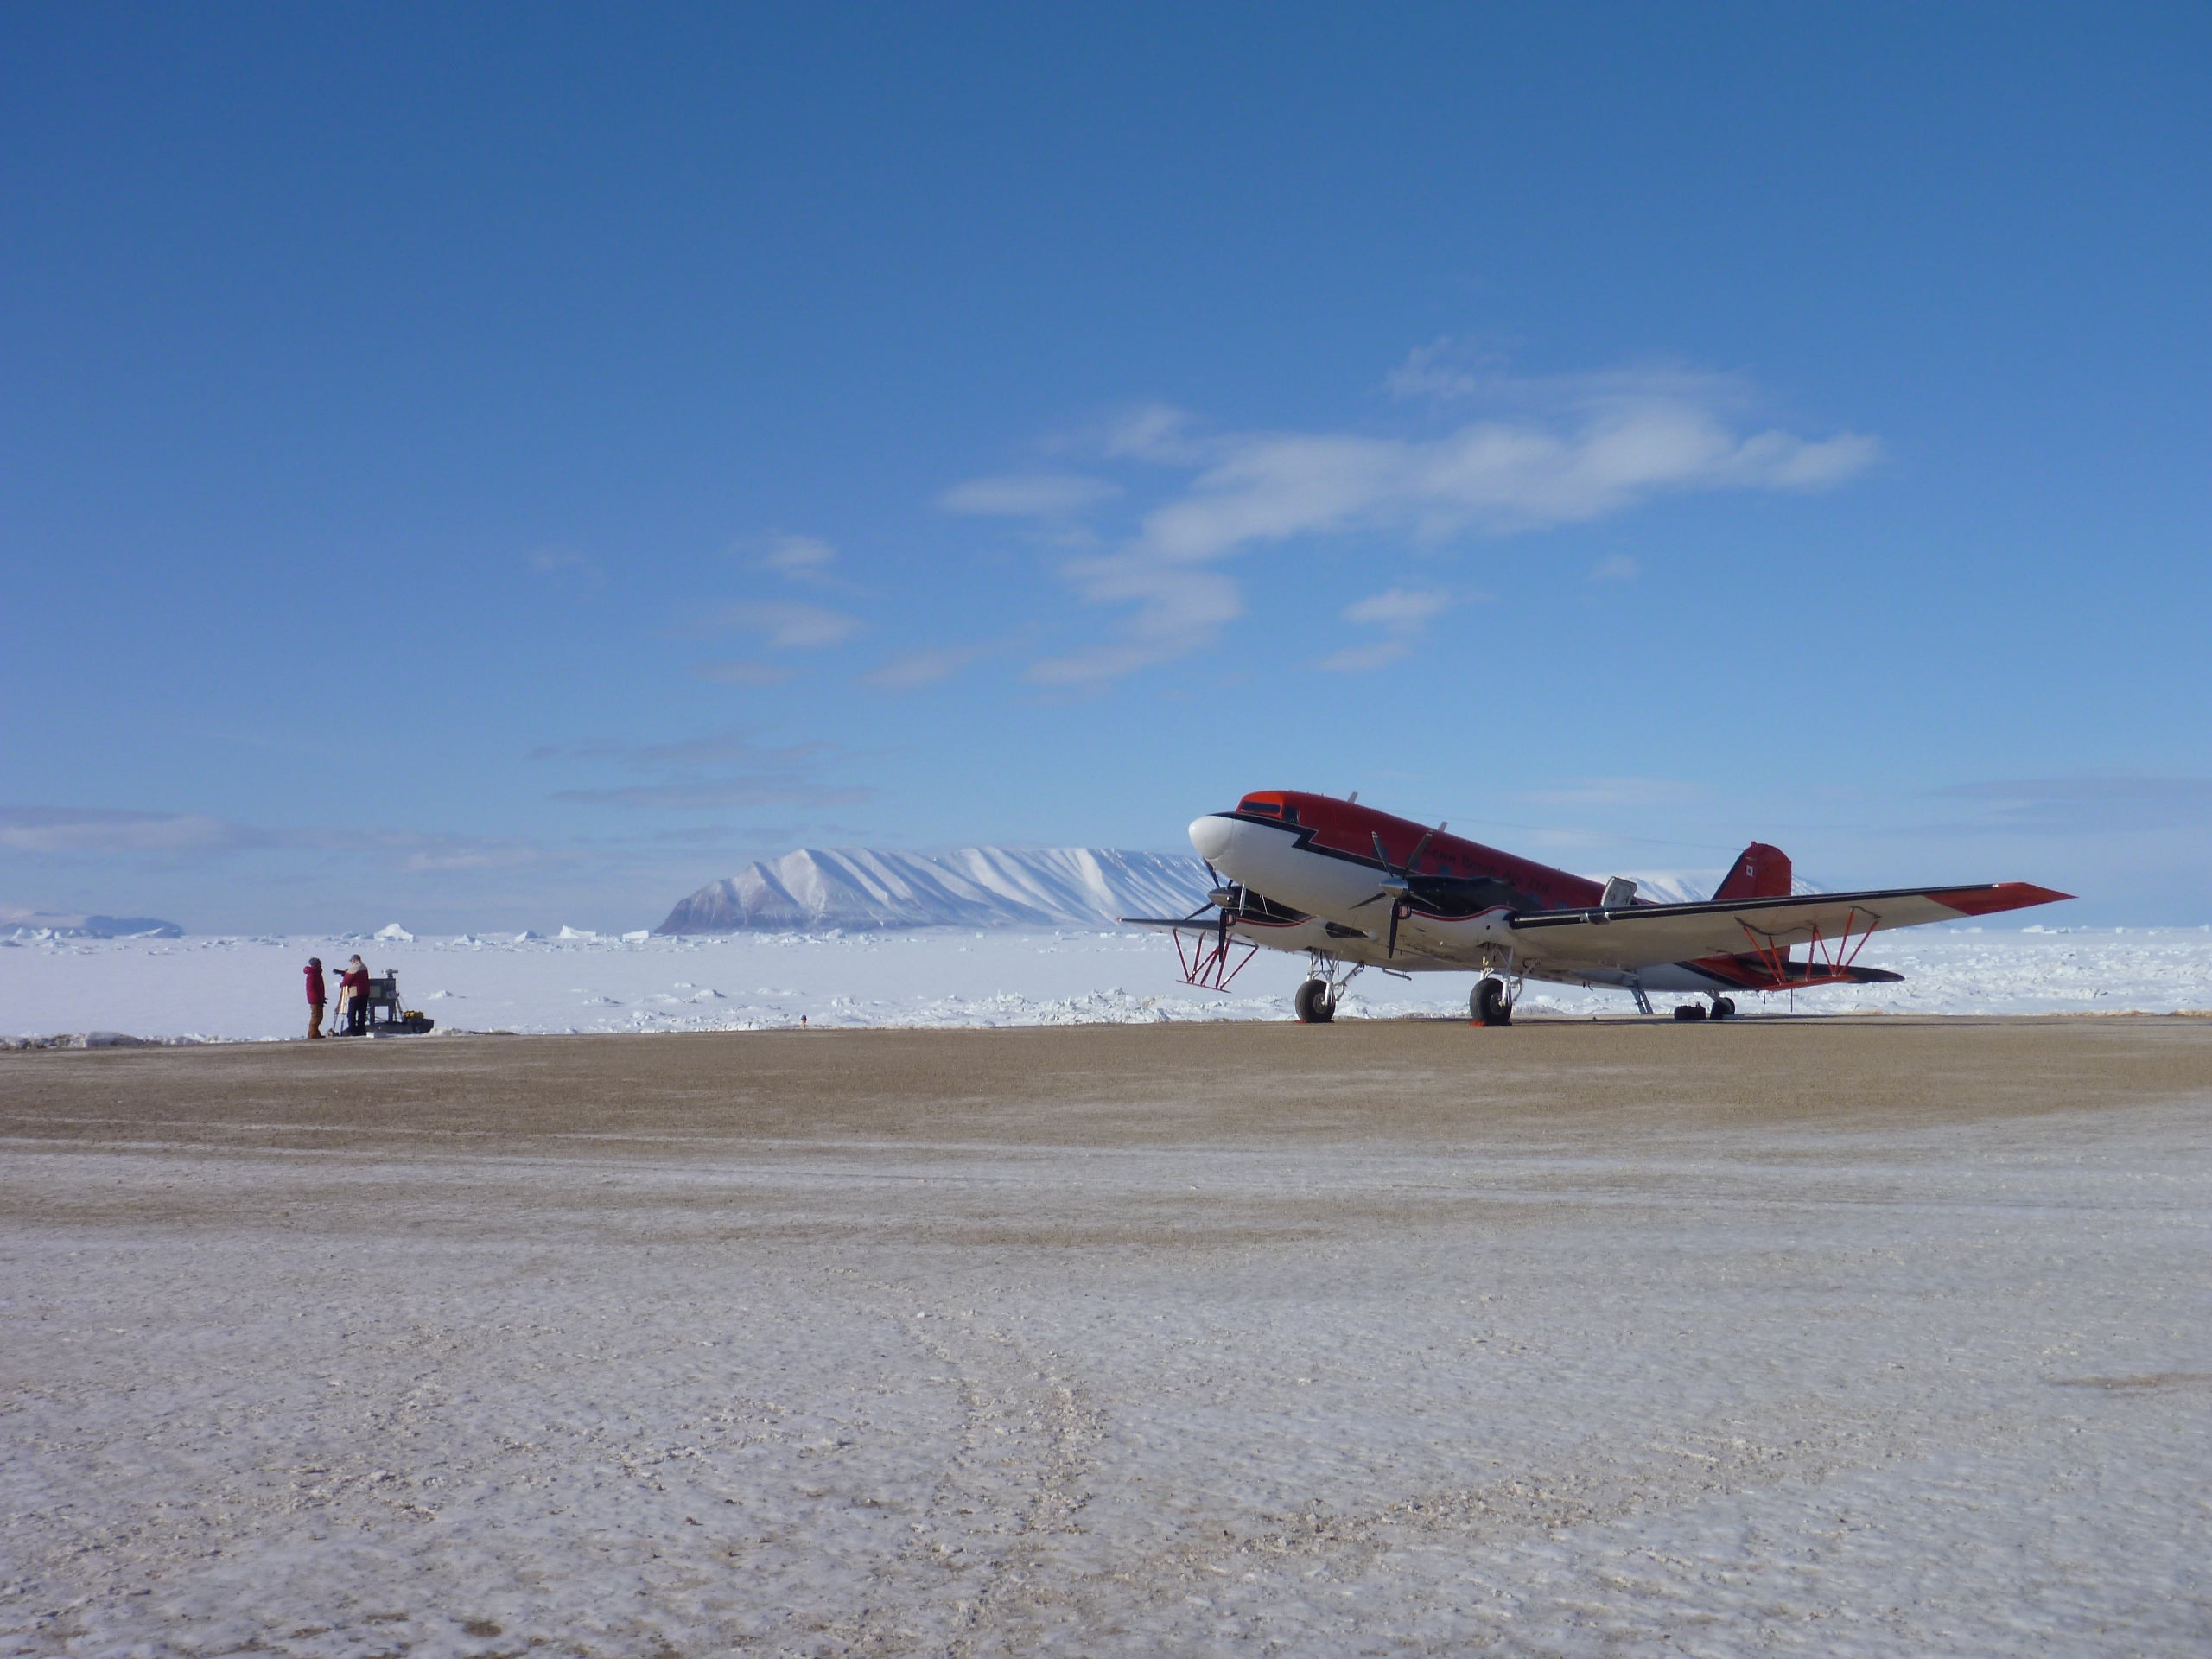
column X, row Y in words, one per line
column 1396, row 885
column 1228, row 899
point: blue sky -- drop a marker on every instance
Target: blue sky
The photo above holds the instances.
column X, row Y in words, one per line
column 507, row 466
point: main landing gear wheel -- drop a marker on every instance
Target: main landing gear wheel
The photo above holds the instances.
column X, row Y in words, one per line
column 1314, row 1004
column 1490, row 1003
column 1724, row 1007
column 1689, row 1011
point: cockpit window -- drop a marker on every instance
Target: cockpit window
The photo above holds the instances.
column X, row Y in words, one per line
column 1264, row 808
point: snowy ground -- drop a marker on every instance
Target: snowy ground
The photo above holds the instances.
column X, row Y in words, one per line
column 1521, row 1373
column 250, row 988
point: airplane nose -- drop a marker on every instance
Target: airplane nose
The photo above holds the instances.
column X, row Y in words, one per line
column 1211, row 835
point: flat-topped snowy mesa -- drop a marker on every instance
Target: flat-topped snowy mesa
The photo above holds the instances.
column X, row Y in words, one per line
column 20, row 925
column 854, row 887
column 1306, row 873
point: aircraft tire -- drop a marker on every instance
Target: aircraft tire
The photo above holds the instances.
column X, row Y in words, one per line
column 1314, row 1005
column 1489, row 1003
column 1724, row 1007
column 1686, row 1011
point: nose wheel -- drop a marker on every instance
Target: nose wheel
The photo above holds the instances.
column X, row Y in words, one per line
column 1318, row 997
column 1490, row 1004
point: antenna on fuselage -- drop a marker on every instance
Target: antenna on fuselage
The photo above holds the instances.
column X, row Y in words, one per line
column 1352, row 799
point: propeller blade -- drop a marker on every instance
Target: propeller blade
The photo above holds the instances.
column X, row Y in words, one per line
column 1380, row 857
column 1396, row 911
column 1370, row 900
column 1421, row 847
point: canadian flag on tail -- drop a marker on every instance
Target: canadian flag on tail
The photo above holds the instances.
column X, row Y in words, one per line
column 1761, row 872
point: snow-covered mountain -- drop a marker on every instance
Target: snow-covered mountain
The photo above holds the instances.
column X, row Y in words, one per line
column 814, row 889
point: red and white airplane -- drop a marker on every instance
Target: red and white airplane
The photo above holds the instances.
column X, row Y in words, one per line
column 1355, row 888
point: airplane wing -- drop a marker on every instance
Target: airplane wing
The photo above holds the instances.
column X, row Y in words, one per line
column 1643, row 934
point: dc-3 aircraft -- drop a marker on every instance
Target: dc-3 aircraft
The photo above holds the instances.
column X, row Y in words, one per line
column 1355, row 888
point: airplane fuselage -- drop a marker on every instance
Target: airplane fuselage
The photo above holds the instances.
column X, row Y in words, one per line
column 1349, row 884
column 1315, row 855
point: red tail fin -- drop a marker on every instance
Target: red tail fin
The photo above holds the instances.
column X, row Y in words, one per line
column 1762, row 871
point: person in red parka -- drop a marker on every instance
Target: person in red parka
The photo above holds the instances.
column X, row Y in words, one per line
column 353, row 996
column 314, row 996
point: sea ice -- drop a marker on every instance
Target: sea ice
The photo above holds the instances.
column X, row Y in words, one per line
column 1636, row 1387
column 250, row 988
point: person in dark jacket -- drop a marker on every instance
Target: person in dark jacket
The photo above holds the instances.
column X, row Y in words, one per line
column 353, row 996
column 314, row 996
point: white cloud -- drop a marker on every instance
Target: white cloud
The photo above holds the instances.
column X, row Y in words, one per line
column 1364, row 659
column 733, row 746
column 96, row 831
column 743, row 672
column 552, row 560
column 1177, row 610
column 1033, row 495
column 919, row 668
column 2106, row 803
column 1400, row 608
column 1489, row 476
column 799, row 556
column 185, row 837
column 1157, row 432
column 1449, row 370
column 788, row 625
column 1403, row 611
column 494, row 855
column 1616, row 567
column 725, row 769
column 1544, row 451
column 716, row 795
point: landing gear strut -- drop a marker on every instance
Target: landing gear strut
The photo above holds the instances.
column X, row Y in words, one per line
column 1490, row 1003
column 1318, row 997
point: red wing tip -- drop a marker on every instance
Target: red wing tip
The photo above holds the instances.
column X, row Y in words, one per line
column 2001, row 896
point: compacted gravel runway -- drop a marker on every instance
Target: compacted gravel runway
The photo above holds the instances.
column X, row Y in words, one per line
column 1872, row 1335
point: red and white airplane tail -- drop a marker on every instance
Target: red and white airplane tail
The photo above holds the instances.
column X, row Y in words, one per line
column 1760, row 871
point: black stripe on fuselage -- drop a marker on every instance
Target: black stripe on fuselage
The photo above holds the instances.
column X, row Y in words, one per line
column 1441, row 897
